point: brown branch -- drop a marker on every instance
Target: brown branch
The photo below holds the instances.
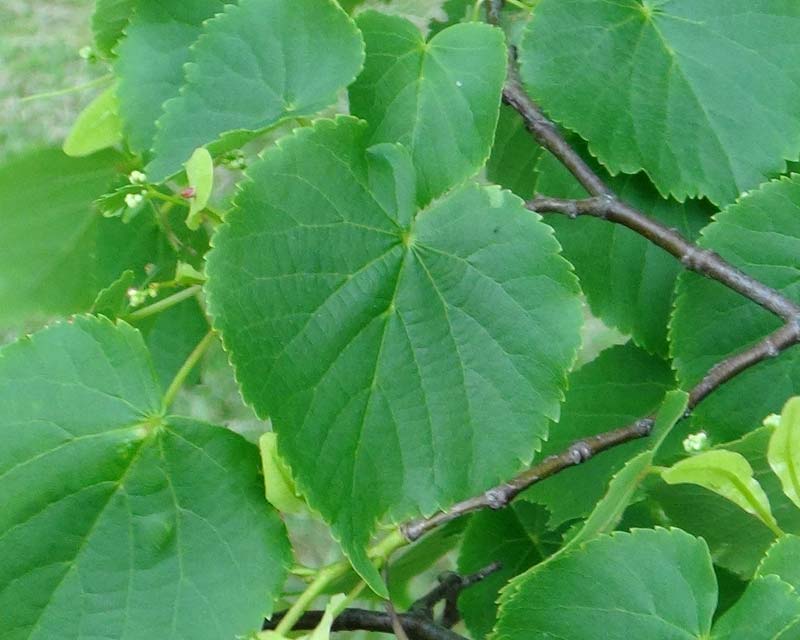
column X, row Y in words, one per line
column 693, row 257
column 450, row 586
column 353, row 619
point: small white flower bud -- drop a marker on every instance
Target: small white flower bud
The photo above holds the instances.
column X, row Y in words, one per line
column 133, row 200
column 695, row 442
column 137, row 177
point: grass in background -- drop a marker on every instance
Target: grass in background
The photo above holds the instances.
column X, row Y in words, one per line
column 39, row 44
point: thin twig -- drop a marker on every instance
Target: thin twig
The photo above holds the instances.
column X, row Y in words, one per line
column 691, row 256
column 354, row 619
column 450, row 586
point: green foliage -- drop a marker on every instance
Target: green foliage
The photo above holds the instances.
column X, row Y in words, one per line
column 414, row 92
column 622, row 385
column 118, row 517
column 97, row 127
column 630, row 282
column 697, row 94
column 760, row 234
column 233, row 82
column 56, row 252
column 730, row 475
column 335, row 190
column 645, row 584
column 389, row 327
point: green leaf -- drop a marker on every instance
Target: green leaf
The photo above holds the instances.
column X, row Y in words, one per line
column 517, row 538
column 760, row 235
column 112, row 301
column 644, row 584
column 56, row 253
column 628, row 281
column 730, row 475
column 255, row 65
column 768, row 608
column 440, row 99
column 781, row 560
column 623, row 486
column 98, row 126
column 738, row 540
column 622, row 385
column 171, row 335
column 109, row 20
column 200, row 174
column 119, row 521
column 783, row 450
column 279, row 486
column 698, row 94
column 432, row 343
column 514, row 155
column 150, row 62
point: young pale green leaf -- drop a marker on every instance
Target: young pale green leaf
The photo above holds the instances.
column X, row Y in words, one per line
column 628, row 281
column 517, row 538
column 784, row 449
column 761, row 236
column 150, row 62
column 737, row 539
column 768, row 610
column 119, row 521
column 279, row 486
column 695, row 92
column 112, row 301
column 256, row 64
column 781, row 560
column 56, row 253
column 515, row 155
column 620, row 386
column 109, row 20
column 608, row 512
column 439, row 98
column 730, row 475
column 378, row 337
column 98, row 126
column 200, row 174
column 644, row 584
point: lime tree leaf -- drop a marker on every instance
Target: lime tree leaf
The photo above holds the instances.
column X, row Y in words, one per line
column 628, row 281
column 171, row 336
column 98, row 126
column 515, row 154
column 698, row 94
column 119, row 521
column 109, row 20
column 279, row 487
column 150, row 61
column 781, row 560
column 766, row 611
column 650, row 583
column 784, row 450
column 760, row 235
column 517, row 538
column 730, row 475
column 737, row 539
column 620, row 386
column 112, row 301
column 623, row 486
column 253, row 66
column 433, row 343
column 56, row 253
column 200, row 174
column 439, row 98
